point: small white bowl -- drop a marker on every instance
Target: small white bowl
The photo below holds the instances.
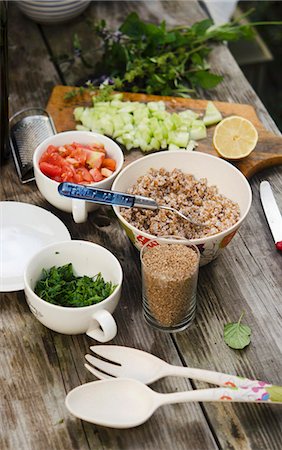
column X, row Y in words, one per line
column 49, row 188
column 88, row 259
column 229, row 180
column 52, row 11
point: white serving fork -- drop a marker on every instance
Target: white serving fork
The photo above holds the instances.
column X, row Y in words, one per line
column 113, row 361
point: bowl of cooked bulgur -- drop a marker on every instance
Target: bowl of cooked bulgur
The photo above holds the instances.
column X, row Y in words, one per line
column 208, row 189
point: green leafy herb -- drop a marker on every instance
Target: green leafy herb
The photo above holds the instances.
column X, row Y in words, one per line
column 103, row 93
column 60, row 286
column 236, row 335
column 147, row 57
column 74, row 93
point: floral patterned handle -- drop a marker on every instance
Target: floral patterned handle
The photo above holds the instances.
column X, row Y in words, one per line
column 267, row 394
column 263, row 390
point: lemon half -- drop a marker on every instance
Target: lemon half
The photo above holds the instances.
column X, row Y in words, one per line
column 235, row 137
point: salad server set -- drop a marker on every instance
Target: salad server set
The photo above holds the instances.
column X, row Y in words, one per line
column 121, row 399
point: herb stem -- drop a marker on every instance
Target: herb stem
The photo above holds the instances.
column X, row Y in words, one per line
column 240, row 318
column 273, row 22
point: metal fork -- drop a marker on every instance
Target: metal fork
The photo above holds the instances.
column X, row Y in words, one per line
column 122, row 199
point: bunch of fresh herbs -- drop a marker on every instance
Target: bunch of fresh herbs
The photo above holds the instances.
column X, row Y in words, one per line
column 60, row 286
column 149, row 58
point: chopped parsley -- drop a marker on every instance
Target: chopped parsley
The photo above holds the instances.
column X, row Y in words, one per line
column 60, row 286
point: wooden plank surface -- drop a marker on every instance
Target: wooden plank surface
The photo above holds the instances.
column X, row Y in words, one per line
column 267, row 153
column 38, row 367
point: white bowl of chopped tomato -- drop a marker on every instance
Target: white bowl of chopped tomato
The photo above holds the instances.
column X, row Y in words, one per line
column 81, row 157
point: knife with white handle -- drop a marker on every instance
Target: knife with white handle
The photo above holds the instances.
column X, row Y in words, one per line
column 272, row 213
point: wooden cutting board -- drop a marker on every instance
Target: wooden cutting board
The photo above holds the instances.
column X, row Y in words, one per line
column 267, row 153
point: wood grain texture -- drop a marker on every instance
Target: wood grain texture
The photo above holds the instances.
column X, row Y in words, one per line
column 38, row 367
column 268, row 151
column 31, row 72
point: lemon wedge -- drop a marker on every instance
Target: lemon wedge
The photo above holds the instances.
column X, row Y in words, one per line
column 235, row 137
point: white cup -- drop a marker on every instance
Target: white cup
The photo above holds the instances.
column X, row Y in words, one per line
column 49, row 187
column 88, row 259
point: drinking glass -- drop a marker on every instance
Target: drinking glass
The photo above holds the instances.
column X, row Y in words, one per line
column 170, row 267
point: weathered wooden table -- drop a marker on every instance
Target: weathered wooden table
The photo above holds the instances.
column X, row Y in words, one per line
column 38, row 367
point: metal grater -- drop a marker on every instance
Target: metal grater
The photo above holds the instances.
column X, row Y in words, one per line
column 28, row 128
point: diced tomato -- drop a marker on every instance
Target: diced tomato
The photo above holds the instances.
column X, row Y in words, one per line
column 50, row 149
column 69, row 147
column 96, row 174
column 80, row 155
column 63, row 151
column 55, row 159
column 94, row 159
column 68, row 172
column 50, row 170
column 97, row 148
column 109, row 163
column 74, row 162
column 77, row 146
column 106, row 172
column 84, row 173
column 78, row 178
column 78, row 163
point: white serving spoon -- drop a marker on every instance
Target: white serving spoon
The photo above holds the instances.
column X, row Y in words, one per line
column 126, row 403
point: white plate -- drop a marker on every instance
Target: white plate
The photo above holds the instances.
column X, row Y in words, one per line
column 24, row 230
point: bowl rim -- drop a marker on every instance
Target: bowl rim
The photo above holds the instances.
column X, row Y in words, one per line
column 194, row 241
column 47, row 141
column 31, row 292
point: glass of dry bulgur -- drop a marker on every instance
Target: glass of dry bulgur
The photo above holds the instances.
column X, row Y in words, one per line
column 169, row 282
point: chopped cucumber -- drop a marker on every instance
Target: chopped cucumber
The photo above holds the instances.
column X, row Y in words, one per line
column 147, row 126
column 179, row 138
column 212, row 115
column 174, row 148
column 198, row 130
column 82, row 128
column 191, row 145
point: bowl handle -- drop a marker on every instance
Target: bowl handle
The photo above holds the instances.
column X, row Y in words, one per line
column 79, row 210
column 103, row 327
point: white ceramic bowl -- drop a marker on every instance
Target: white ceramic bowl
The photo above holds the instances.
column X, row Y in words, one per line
column 49, row 188
column 229, row 180
column 88, row 259
column 52, row 11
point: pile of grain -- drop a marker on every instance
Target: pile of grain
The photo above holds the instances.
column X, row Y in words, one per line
column 169, row 275
column 182, row 191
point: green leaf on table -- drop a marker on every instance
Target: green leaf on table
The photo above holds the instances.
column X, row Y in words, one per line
column 236, row 335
